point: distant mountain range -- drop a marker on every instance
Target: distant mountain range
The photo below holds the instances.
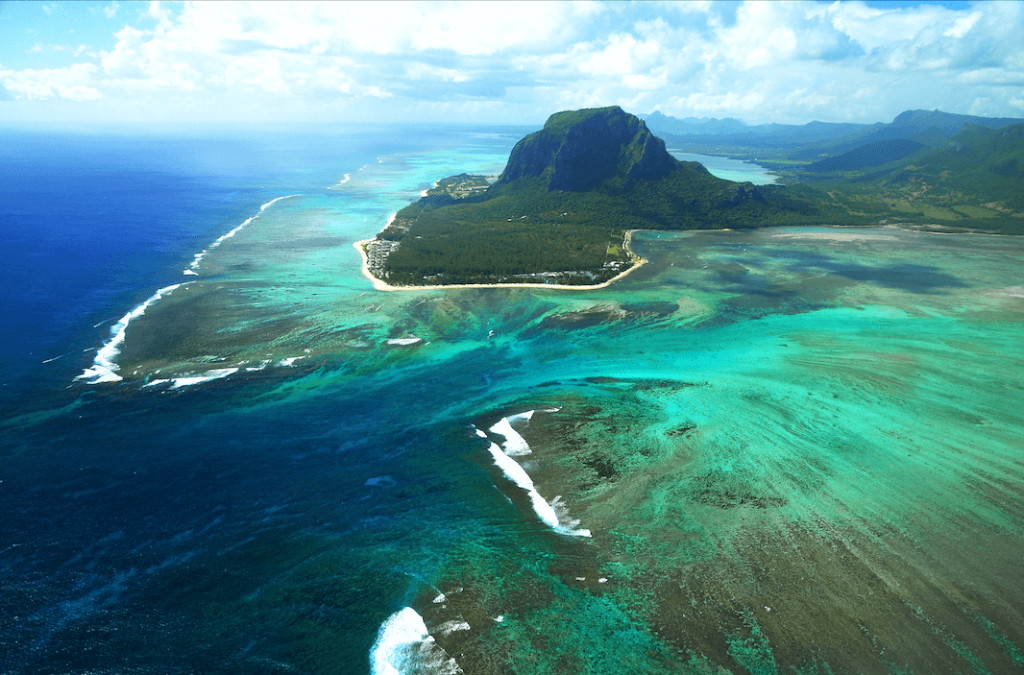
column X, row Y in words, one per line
column 816, row 140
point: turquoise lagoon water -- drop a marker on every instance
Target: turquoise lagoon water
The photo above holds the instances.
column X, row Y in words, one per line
column 730, row 169
column 766, row 451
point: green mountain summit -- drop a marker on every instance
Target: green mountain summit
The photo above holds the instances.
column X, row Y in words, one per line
column 579, row 150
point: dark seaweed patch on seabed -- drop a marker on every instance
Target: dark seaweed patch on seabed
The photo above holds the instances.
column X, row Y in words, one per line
column 907, row 277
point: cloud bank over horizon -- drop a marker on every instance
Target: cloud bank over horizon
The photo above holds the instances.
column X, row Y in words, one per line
column 506, row 62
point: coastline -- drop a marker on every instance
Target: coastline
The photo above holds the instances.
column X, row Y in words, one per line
column 382, row 285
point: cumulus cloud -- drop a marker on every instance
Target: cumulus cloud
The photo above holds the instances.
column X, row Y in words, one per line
column 778, row 61
column 70, row 84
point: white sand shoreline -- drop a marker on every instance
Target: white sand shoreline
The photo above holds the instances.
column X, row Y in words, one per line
column 381, row 285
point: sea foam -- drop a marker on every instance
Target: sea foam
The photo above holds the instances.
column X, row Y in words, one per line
column 104, row 369
column 514, row 445
column 404, row 647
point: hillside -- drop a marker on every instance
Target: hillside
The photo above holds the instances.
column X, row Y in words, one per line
column 928, row 127
column 976, row 180
column 785, row 144
column 872, row 154
column 560, row 209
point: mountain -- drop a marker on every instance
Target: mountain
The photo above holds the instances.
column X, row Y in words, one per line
column 561, row 208
column 816, row 140
column 872, row 154
column 932, row 128
column 974, row 181
column 981, row 165
column 734, row 133
column 665, row 124
column 916, row 121
column 579, row 150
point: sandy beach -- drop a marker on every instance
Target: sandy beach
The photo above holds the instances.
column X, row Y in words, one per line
column 381, row 285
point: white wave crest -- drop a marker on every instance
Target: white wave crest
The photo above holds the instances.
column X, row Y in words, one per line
column 221, row 239
column 104, row 368
column 518, row 475
column 189, row 380
column 514, row 445
column 405, row 342
column 404, row 647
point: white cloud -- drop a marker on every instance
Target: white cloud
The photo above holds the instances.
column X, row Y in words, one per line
column 71, row 83
column 111, row 10
column 761, row 61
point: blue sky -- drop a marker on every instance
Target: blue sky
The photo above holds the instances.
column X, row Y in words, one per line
column 146, row 63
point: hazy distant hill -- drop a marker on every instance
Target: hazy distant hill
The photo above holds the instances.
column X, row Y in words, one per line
column 933, row 128
column 703, row 126
column 815, row 140
column 732, row 132
column 875, row 153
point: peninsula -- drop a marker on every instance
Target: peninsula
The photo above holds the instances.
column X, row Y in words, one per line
column 560, row 214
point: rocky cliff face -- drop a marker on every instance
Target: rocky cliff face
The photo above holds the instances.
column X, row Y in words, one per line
column 579, row 150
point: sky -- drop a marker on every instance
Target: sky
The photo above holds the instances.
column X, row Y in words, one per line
column 507, row 63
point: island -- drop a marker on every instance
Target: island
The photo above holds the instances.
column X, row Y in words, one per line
column 561, row 213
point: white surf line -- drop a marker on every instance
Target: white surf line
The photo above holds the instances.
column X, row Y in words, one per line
column 56, row 357
column 518, row 475
column 406, row 341
column 188, row 381
column 191, row 271
column 104, row 369
column 516, row 445
column 405, row 647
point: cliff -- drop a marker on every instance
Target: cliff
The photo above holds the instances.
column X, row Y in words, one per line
column 581, row 149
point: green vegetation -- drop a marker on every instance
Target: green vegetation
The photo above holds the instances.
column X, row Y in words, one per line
column 976, row 181
column 569, row 193
column 872, row 154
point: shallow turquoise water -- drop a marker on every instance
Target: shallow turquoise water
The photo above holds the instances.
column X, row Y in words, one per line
column 794, row 450
column 730, row 169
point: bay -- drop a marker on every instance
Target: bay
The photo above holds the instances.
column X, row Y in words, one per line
column 728, row 168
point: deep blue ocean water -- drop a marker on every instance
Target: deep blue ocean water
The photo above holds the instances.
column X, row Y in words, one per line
column 91, row 224
column 138, row 518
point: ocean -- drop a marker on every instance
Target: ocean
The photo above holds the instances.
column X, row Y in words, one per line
column 224, row 452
